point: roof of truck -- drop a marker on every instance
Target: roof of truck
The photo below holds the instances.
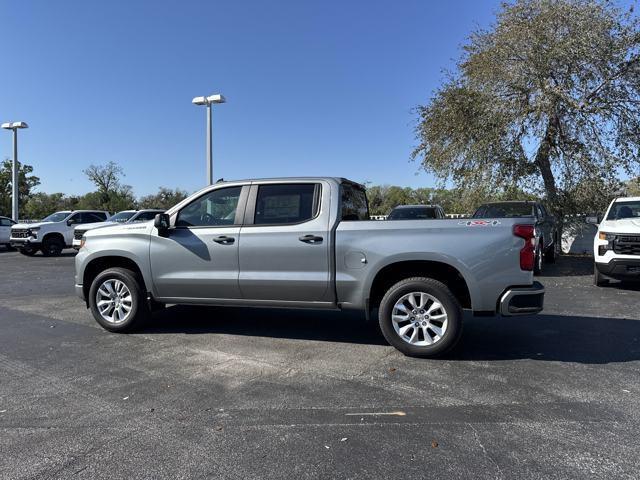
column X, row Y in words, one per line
column 290, row 179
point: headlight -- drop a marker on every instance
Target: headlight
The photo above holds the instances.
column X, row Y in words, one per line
column 83, row 241
column 609, row 237
column 33, row 232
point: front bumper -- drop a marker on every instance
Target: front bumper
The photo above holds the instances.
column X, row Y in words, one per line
column 76, row 243
column 621, row 268
column 80, row 292
column 25, row 242
column 522, row 300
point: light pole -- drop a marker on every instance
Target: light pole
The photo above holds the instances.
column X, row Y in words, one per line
column 208, row 101
column 14, row 170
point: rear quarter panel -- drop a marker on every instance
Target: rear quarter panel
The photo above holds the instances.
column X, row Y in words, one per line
column 487, row 257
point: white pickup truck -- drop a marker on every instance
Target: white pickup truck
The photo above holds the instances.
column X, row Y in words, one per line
column 616, row 246
column 54, row 233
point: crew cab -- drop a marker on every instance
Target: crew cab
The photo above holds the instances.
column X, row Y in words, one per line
column 309, row 243
column 54, row 233
column 125, row 216
column 616, row 246
column 546, row 231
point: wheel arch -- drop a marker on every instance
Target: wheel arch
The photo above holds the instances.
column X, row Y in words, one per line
column 392, row 273
column 56, row 235
column 100, row 264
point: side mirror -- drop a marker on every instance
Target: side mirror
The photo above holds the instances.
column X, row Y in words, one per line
column 70, row 222
column 592, row 220
column 162, row 222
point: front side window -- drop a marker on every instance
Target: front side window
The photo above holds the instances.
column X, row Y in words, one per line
column 5, row 222
column 213, row 209
column 624, row 209
column 353, row 204
column 90, row 217
column 286, row 203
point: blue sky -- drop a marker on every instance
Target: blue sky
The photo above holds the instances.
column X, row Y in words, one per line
column 313, row 87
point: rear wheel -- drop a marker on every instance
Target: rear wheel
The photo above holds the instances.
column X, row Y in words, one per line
column 52, row 246
column 117, row 300
column 598, row 279
column 29, row 251
column 420, row 317
column 551, row 253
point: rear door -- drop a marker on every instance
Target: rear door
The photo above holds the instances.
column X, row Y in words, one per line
column 198, row 258
column 284, row 252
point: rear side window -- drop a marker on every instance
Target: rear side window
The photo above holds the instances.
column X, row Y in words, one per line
column 286, row 203
column 353, row 204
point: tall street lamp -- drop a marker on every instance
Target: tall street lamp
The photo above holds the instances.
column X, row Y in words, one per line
column 208, row 101
column 14, row 171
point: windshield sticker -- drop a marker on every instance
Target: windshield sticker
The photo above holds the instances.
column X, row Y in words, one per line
column 480, row 223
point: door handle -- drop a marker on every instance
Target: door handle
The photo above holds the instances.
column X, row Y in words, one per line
column 310, row 239
column 224, row 240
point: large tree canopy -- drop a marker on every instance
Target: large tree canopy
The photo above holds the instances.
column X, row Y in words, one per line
column 26, row 183
column 547, row 99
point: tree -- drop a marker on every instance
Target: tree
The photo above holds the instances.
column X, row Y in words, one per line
column 111, row 194
column 165, row 198
column 548, row 100
column 40, row 204
column 26, row 182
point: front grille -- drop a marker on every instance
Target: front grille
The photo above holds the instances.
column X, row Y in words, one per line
column 20, row 233
column 627, row 245
column 77, row 234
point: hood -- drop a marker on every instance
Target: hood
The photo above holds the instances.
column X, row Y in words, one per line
column 115, row 228
column 626, row 225
column 31, row 225
column 89, row 226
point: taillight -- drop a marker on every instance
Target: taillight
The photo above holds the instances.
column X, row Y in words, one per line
column 528, row 251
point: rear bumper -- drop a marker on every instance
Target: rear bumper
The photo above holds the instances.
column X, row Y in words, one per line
column 522, row 300
column 621, row 268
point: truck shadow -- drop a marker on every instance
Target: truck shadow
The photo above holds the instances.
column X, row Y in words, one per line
column 569, row 266
column 561, row 338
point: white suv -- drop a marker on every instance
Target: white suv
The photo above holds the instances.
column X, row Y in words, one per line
column 616, row 246
column 5, row 231
column 52, row 234
column 125, row 216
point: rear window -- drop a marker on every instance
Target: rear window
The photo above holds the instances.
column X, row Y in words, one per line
column 353, row 205
column 411, row 213
column 505, row 210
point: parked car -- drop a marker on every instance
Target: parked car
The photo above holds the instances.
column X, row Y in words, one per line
column 5, row 231
column 125, row 216
column 416, row 212
column 309, row 243
column 616, row 246
column 52, row 234
column 546, row 232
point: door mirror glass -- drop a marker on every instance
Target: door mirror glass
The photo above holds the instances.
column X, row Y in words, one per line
column 161, row 222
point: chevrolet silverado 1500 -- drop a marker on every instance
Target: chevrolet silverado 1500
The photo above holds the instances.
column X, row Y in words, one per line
column 309, row 243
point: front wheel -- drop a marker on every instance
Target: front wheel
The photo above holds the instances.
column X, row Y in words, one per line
column 52, row 247
column 599, row 280
column 420, row 317
column 29, row 251
column 117, row 300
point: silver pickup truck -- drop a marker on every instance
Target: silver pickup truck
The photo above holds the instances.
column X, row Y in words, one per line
column 309, row 243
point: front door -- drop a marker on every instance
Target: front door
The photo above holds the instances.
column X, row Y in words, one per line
column 284, row 253
column 198, row 257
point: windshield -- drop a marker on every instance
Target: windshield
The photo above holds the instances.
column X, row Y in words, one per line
column 504, row 210
column 56, row 217
column 624, row 209
column 121, row 217
column 412, row 213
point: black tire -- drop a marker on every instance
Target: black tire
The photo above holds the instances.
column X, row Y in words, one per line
column 28, row 251
column 599, row 280
column 435, row 289
column 52, row 246
column 9, row 247
column 537, row 261
column 139, row 308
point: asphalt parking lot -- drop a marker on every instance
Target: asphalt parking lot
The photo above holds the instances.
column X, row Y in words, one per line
column 247, row 393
